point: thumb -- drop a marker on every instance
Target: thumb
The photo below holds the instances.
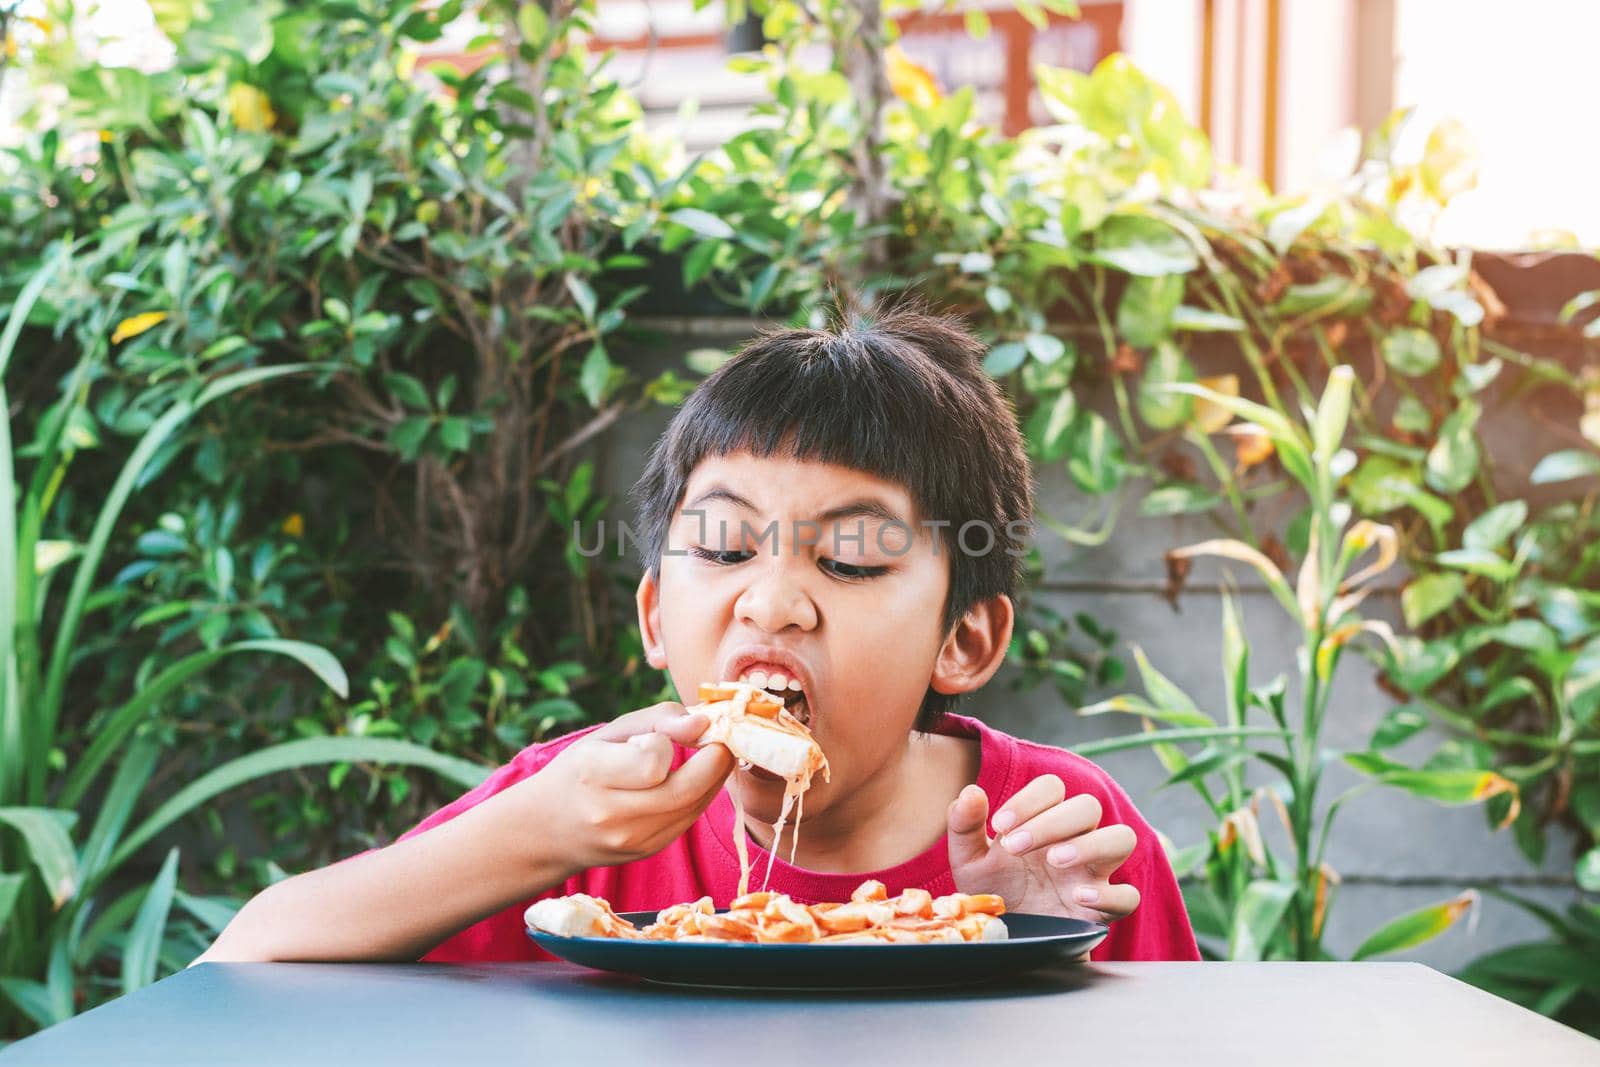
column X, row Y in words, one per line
column 968, row 813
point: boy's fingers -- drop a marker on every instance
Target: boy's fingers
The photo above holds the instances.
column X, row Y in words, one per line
column 643, row 721
column 1100, row 852
column 1043, row 792
column 1060, row 822
column 1112, row 901
column 684, row 729
column 968, row 841
column 637, row 762
column 693, row 785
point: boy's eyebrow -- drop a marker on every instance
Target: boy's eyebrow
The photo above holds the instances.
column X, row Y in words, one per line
column 863, row 507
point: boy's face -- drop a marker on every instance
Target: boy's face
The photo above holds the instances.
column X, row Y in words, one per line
column 858, row 607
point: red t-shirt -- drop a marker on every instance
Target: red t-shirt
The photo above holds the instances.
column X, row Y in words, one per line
column 703, row 862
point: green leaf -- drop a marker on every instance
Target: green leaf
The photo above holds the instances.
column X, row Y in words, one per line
column 287, row 756
column 707, row 360
column 1044, row 348
column 1256, row 919
column 1424, row 598
column 1581, row 687
column 1160, row 407
column 121, row 723
column 1047, row 428
column 1453, row 460
column 1154, row 738
column 10, row 887
column 1399, row 725
column 1199, row 320
column 1333, row 414
column 703, row 223
column 143, row 949
column 1175, row 705
column 1411, row 351
column 1450, row 787
column 1212, row 761
column 1144, row 314
column 1478, row 561
column 1143, row 246
column 1587, row 871
column 1530, row 635
column 1415, row 928
column 408, row 390
column 1005, row 358
column 1095, row 457
column 1562, row 466
column 594, row 376
column 45, row 833
column 582, row 295
column 1494, row 527
column 1180, row 499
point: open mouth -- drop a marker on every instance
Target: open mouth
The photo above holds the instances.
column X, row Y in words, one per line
column 784, row 688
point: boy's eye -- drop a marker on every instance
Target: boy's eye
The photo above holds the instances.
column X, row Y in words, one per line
column 722, row 556
column 851, row 570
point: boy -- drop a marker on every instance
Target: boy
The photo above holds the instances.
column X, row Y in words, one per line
column 838, row 513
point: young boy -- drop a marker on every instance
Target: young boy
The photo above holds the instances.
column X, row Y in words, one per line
column 840, row 513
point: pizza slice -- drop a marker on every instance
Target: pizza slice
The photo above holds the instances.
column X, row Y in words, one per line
column 759, row 731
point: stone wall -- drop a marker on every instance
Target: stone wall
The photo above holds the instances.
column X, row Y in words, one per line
column 1393, row 852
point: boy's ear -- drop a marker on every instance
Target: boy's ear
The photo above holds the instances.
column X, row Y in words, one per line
column 975, row 648
column 648, row 599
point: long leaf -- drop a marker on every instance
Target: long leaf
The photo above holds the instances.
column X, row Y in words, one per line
column 125, row 719
column 1257, row 917
column 10, row 886
column 1443, row 787
column 149, row 927
column 33, row 999
column 154, row 439
column 126, row 788
column 287, row 756
column 45, row 832
column 1090, row 749
column 1415, row 927
column 14, row 743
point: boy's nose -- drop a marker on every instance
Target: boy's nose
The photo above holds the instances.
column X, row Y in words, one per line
column 774, row 600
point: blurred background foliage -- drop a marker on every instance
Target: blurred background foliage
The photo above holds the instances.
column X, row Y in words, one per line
column 455, row 256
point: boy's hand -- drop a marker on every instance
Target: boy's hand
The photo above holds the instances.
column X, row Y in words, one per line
column 1052, row 857
column 613, row 796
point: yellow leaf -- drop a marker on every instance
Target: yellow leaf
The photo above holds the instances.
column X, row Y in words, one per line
column 42, row 25
column 294, row 525
column 440, row 636
column 1209, row 417
column 910, row 81
column 407, row 63
column 1326, row 876
column 250, row 109
column 1492, row 785
column 137, row 324
column 1251, row 445
column 1362, row 536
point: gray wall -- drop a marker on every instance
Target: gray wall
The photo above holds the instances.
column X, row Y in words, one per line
column 1393, row 852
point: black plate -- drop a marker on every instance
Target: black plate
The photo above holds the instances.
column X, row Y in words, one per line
column 1035, row 941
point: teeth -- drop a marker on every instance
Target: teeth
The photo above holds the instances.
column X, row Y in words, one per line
column 794, row 683
column 758, row 679
column 777, row 681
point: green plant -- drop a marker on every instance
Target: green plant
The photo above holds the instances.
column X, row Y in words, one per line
column 72, row 826
column 1247, row 901
column 1555, row 977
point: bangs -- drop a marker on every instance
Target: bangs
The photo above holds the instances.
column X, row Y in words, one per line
column 828, row 399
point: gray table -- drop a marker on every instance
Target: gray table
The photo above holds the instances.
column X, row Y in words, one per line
column 1102, row 1014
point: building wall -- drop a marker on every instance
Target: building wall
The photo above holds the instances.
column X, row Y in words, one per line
column 1393, row 852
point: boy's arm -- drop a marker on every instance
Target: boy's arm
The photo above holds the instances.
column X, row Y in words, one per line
column 395, row 903
column 610, row 798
